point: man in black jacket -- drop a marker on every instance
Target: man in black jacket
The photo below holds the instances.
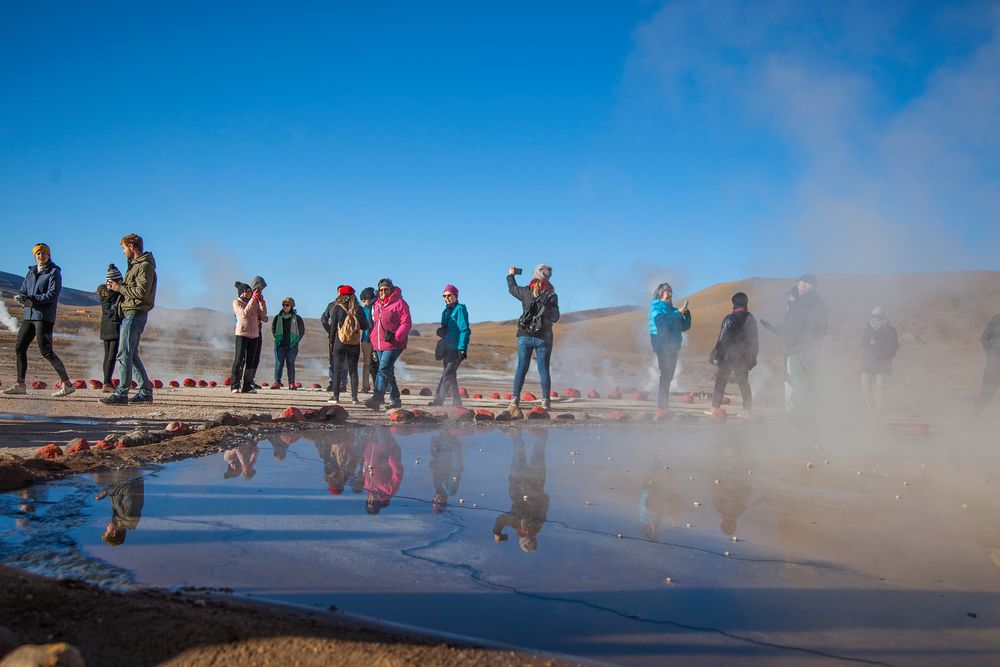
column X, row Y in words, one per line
column 735, row 353
column 991, row 376
column 879, row 344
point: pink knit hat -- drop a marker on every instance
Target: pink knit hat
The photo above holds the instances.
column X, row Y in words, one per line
column 450, row 289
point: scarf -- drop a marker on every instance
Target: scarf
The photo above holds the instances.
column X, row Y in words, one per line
column 294, row 331
column 538, row 286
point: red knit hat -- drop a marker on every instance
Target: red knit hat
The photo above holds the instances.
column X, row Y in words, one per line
column 345, row 289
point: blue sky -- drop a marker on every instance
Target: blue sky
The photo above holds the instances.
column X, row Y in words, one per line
column 622, row 142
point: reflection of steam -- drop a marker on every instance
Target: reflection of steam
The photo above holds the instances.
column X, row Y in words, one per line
column 6, row 319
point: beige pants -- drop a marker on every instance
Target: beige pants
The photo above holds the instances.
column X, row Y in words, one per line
column 873, row 389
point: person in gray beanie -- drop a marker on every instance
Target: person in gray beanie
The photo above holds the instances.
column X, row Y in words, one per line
column 540, row 310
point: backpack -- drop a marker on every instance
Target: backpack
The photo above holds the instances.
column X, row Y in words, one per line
column 532, row 321
column 349, row 331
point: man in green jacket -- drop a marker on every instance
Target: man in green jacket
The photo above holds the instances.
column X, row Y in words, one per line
column 138, row 291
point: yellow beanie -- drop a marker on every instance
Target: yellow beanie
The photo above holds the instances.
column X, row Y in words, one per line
column 40, row 246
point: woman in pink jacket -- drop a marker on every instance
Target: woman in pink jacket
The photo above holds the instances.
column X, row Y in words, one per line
column 390, row 330
column 250, row 311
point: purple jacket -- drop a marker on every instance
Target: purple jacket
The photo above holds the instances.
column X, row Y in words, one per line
column 391, row 315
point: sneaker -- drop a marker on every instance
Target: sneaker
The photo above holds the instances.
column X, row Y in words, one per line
column 514, row 404
column 142, row 398
column 251, row 390
column 547, row 403
column 335, row 400
column 115, row 399
column 235, row 390
column 372, row 404
column 395, row 405
column 355, row 401
column 15, row 389
column 435, row 402
column 256, row 386
column 65, row 390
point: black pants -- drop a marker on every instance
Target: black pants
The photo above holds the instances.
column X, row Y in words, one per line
column 991, row 381
column 345, row 364
column 241, row 377
column 30, row 329
column 741, row 375
column 666, row 359
column 449, row 378
column 110, row 356
column 253, row 357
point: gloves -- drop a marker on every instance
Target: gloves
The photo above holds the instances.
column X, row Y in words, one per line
column 441, row 332
column 27, row 303
column 463, row 354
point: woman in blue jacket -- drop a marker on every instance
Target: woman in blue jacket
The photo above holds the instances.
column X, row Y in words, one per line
column 39, row 296
column 666, row 324
column 454, row 345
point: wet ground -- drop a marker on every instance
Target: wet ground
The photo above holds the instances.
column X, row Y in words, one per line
column 737, row 544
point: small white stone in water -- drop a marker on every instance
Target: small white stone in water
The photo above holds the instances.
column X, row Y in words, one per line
column 687, row 525
column 481, row 450
column 620, row 536
column 610, row 459
column 461, row 501
column 906, row 483
column 482, row 495
column 749, row 472
column 716, row 482
column 898, row 496
column 475, row 505
column 525, row 497
column 588, row 503
column 826, row 461
column 669, row 580
column 861, row 473
column 573, row 461
column 690, row 476
column 809, row 466
column 965, row 506
column 417, row 462
column 735, row 539
column 697, row 504
column 726, row 553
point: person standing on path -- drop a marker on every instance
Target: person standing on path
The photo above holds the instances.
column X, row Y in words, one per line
column 111, row 321
column 540, row 310
column 288, row 329
column 991, row 375
column 391, row 324
column 735, row 353
column 454, row 345
column 249, row 308
column 368, row 370
column 346, row 328
column 39, row 296
column 138, row 291
column 879, row 344
column 253, row 354
column 666, row 324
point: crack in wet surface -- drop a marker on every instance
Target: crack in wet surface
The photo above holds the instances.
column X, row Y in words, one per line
column 605, row 545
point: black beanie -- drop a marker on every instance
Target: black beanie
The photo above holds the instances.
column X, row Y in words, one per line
column 242, row 287
column 368, row 294
column 386, row 282
column 740, row 300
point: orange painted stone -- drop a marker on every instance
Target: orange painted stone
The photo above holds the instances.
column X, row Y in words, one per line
column 495, row 395
column 49, row 451
column 529, row 397
column 77, row 445
column 477, row 396
column 593, row 393
column 570, row 392
column 537, row 412
column 174, row 383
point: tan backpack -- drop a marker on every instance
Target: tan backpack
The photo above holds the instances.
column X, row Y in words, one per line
column 349, row 331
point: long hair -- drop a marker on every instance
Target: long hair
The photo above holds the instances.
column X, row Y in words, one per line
column 661, row 289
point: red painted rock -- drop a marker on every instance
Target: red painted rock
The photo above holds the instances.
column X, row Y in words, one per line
column 202, row 383
column 460, row 414
column 477, row 396
column 96, row 384
column 335, row 413
column 178, row 428
column 39, row 384
column 529, row 397
column 400, row 416
column 553, row 394
column 174, row 383
column 315, row 385
column 463, row 392
column 483, row 415
column 639, row 396
column 49, row 451
column 77, row 445
column 662, row 414
column 718, row 415
column 133, row 384
column 291, row 414
column 617, row 416
column 537, row 412
column 103, row 444
column 570, row 392
column 157, row 384
column 726, row 400
column 426, row 392
column 58, row 385
column 226, row 381
column 211, row 383
column 615, row 395
column 190, row 382
column 687, row 398
column 79, row 384
column 265, row 384
column 593, row 393
column 115, row 382
column 508, row 397
column 276, row 385
column 425, row 416
column 495, row 395
column 405, row 391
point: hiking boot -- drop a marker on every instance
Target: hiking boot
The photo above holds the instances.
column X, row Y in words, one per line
column 15, row 389
column 142, row 398
column 115, row 399
column 235, row 390
column 251, row 390
column 514, row 404
column 395, row 405
column 65, row 390
column 547, row 403
column 355, row 401
column 372, row 404
column 108, row 388
column 256, row 386
column 335, row 400
column 435, row 402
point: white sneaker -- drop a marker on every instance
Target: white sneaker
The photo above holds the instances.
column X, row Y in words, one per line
column 64, row 390
column 334, row 400
column 15, row 389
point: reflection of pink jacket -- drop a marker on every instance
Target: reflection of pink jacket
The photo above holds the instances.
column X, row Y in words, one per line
column 383, row 467
column 393, row 315
column 249, row 315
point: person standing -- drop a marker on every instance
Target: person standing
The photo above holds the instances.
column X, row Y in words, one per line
column 111, row 320
column 454, row 345
column 253, row 354
column 249, row 308
column 735, row 353
column 346, row 327
column 879, row 344
column 991, row 375
column 39, row 296
column 666, row 324
column 390, row 332
column 287, row 329
column 540, row 310
column 138, row 291
column 368, row 370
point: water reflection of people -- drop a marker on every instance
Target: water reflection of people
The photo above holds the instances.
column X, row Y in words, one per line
column 529, row 507
column 342, row 456
column 657, row 499
column 446, row 468
column 383, row 469
column 281, row 443
column 731, row 493
column 241, row 459
column 128, row 493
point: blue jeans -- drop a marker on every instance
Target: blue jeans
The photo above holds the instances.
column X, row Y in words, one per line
column 543, row 352
column 285, row 356
column 385, row 379
column 128, row 355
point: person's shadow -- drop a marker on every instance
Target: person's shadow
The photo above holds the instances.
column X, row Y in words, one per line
column 529, row 506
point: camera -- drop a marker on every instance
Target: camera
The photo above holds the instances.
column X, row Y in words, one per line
column 518, row 271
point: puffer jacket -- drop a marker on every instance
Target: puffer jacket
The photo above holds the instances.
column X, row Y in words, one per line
column 666, row 324
column 249, row 315
column 456, row 320
column 110, row 317
column 138, row 289
column 383, row 466
column 738, row 342
column 43, row 288
column 391, row 315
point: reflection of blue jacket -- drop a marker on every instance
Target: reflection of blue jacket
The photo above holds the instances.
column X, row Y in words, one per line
column 43, row 288
column 666, row 324
column 456, row 319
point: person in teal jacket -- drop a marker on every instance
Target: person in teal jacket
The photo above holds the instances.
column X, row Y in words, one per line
column 453, row 347
column 666, row 324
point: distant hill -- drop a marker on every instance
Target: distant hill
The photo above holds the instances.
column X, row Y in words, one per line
column 11, row 283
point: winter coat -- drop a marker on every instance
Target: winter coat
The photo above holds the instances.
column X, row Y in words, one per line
column 138, row 289
column 524, row 295
column 111, row 318
column 391, row 315
column 738, row 342
column 383, row 466
column 804, row 326
column 43, row 288
column 878, row 348
column 249, row 315
column 666, row 324
column 456, row 320
column 991, row 337
column 285, row 337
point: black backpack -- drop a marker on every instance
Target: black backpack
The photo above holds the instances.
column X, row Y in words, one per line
column 532, row 321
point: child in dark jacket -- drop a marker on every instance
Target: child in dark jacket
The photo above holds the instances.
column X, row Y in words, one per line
column 111, row 321
column 735, row 353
